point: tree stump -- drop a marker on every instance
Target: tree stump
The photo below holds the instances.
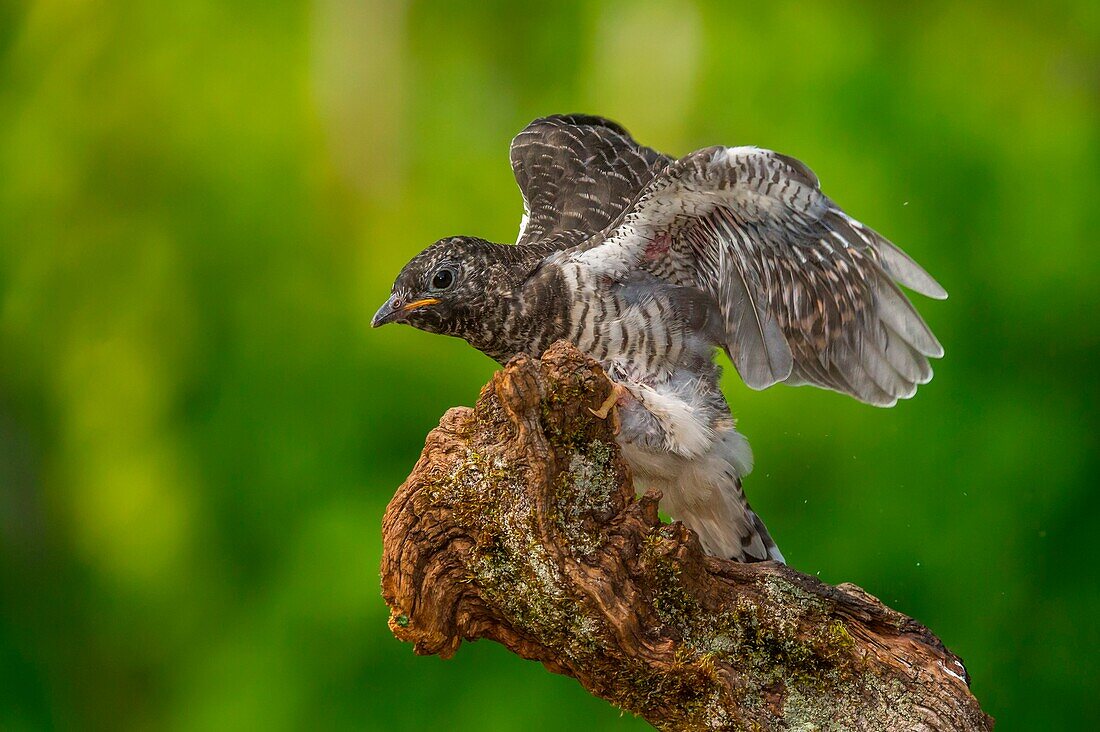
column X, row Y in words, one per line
column 520, row 524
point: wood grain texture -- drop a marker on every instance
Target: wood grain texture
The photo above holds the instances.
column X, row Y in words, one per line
column 520, row 524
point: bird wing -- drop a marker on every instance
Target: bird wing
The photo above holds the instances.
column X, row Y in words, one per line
column 577, row 174
column 807, row 294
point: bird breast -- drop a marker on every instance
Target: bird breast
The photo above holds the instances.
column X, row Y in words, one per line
column 641, row 322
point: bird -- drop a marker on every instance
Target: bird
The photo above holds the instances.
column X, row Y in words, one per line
column 650, row 264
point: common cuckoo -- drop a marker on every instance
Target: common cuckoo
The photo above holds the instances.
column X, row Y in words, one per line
column 649, row 264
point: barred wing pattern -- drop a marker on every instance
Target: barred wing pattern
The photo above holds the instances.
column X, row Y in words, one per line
column 807, row 294
column 577, row 174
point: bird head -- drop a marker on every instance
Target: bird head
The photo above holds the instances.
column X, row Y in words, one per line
column 445, row 288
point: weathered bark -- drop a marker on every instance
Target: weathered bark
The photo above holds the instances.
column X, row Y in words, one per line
column 520, row 524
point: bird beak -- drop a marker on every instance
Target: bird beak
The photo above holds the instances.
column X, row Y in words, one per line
column 394, row 308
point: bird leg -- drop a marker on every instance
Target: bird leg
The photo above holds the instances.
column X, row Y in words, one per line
column 611, row 404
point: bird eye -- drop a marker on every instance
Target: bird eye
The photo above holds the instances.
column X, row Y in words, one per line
column 443, row 278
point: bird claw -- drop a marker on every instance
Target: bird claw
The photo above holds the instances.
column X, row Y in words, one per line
column 608, row 404
column 609, row 407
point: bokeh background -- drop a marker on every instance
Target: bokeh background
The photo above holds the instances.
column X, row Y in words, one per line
column 203, row 202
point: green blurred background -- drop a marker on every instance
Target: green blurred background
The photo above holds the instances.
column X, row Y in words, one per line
column 202, row 204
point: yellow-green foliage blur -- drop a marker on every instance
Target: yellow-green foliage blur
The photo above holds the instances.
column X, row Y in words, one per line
column 203, row 202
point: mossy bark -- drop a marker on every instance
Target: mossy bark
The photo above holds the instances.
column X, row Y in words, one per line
column 520, row 524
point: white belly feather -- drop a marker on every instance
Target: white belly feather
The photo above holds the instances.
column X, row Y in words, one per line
column 677, row 440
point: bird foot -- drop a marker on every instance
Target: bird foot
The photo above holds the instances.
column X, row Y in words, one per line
column 610, row 406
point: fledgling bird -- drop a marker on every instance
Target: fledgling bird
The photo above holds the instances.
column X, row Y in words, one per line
column 649, row 264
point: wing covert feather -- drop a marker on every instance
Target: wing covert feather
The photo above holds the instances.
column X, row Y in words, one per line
column 807, row 293
column 577, row 174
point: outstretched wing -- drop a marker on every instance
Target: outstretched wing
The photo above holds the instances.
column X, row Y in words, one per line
column 577, row 174
column 807, row 293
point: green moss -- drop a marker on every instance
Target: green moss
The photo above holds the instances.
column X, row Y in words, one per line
column 768, row 644
column 675, row 606
column 837, row 636
column 584, row 494
column 689, row 692
column 510, row 566
column 566, row 427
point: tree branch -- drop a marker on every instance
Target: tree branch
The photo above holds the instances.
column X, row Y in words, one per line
column 520, row 524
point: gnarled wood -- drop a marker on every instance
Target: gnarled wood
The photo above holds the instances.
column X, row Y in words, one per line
column 520, row 524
